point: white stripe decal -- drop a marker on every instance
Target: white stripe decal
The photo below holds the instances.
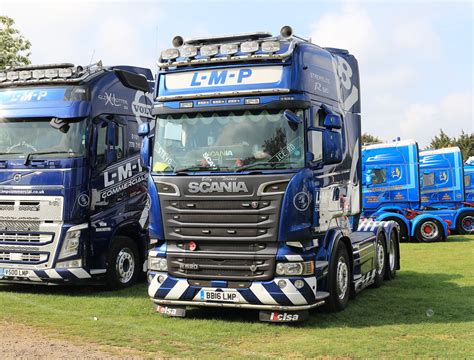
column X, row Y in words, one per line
column 177, row 290
column 262, row 295
column 293, row 257
column 80, row 273
column 154, row 286
column 53, row 274
column 292, row 293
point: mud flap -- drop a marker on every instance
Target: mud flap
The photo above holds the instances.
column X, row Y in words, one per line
column 175, row 311
column 283, row 316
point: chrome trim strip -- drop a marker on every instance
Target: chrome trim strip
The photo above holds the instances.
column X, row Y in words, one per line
column 262, row 186
column 232, row 305
column 222, row 94
column 157, row 181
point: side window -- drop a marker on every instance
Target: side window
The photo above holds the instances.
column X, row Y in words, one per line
column 379, row 176
column 467, row 180
column 428, row 179
column 102, row 143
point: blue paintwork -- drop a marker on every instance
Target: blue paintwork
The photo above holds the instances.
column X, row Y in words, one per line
column 307, row 75
column 403, row 186
column 90, row 195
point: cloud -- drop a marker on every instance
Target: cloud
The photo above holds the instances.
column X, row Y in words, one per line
column 453, row 113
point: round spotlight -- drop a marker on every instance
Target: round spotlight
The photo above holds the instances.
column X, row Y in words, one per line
column 299, row 284
column 161, row 279
column 281, row 284
column 178, row 41
column 286, row 32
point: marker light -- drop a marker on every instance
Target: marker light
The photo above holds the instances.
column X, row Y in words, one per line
column 249, row 46
column 51, row 73
column 3, row 76
column 38, row 74
column 270, row 46
column 188, row 51
column 65, row 73
column 12, row 75
column 252, row 101
column 169, row 54
column 229, row 49
column 209, row 50
column 25, row 75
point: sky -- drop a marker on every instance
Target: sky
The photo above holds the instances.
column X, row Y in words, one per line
column 415, row 57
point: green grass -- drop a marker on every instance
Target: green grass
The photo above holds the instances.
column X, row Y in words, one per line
column 390, row 322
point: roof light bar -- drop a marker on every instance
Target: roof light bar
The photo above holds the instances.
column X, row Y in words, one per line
column 249, row 46
column 209, row 50
column 229, row 49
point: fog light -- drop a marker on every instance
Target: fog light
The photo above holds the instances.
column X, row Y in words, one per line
column 281, row 284
column 299, row 284
column 161, row 279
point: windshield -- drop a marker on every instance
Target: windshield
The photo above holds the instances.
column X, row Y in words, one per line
column 29, row 136
column 227, row 141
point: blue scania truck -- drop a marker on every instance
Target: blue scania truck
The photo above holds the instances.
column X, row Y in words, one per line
column 422, row 191
column 254, row 182
column 72, row 190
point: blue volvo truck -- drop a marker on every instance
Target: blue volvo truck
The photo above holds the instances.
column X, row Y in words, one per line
column 254, row 181
column 72, row 190
column 422, row 191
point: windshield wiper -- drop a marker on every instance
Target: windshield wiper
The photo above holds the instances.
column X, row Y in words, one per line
column 10, row 153
column 27, row 159
column 200, row 168
column 273, row 164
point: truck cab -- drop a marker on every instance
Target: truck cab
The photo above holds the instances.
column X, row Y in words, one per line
column 254, row 182
column 72, row 190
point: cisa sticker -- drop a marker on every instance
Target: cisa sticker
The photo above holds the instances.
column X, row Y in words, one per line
column 301, row 200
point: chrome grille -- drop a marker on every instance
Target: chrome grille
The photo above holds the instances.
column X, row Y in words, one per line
column 24, row 257
column 20, row 225
column 6, row 237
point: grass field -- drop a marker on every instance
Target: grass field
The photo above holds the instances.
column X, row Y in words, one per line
column 427, row 311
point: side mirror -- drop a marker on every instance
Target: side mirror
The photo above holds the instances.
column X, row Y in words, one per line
column 144, row 129
column 293, row 120
column 332, row 147
column 112, row 134
column 59, row 124
column 133, row 81
column 145, row 153
column 315, row 146
column 332, row 121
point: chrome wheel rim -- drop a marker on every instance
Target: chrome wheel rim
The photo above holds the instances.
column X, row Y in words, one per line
column 380, row 257
column 342, row 275
column 429, row 230
column 125, row 265
column 391, row 256
column 467, row 224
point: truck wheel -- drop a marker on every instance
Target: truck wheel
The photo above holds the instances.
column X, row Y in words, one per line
column 392, row 257
column 429, row 230
column 339, row 278
column 465, row 223
column 123, row 264
column 403, row 228
column 380, row 261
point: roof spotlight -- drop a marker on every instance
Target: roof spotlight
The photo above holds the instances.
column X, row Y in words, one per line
column 178, row 41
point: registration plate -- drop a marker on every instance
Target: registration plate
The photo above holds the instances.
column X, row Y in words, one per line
column 14, row 273
column 219, row 295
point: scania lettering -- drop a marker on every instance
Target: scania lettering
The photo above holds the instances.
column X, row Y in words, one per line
column 254, row 184
column 72, row 189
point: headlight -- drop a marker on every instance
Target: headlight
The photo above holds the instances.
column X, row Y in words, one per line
column 71, row 241
column 295, row 268
column 157, row 264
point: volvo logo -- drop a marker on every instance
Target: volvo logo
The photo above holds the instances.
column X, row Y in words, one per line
column 17, row 177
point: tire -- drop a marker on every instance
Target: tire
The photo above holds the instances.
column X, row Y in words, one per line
column 123, row 263
column 380, row 260
column 339, row 280
column 465, row 223
column 392, row 257
column 429, row 230
column 404, row 236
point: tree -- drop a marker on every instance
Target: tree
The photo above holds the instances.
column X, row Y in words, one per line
column 465, row 142
column 14, row 48
column 370, row 139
